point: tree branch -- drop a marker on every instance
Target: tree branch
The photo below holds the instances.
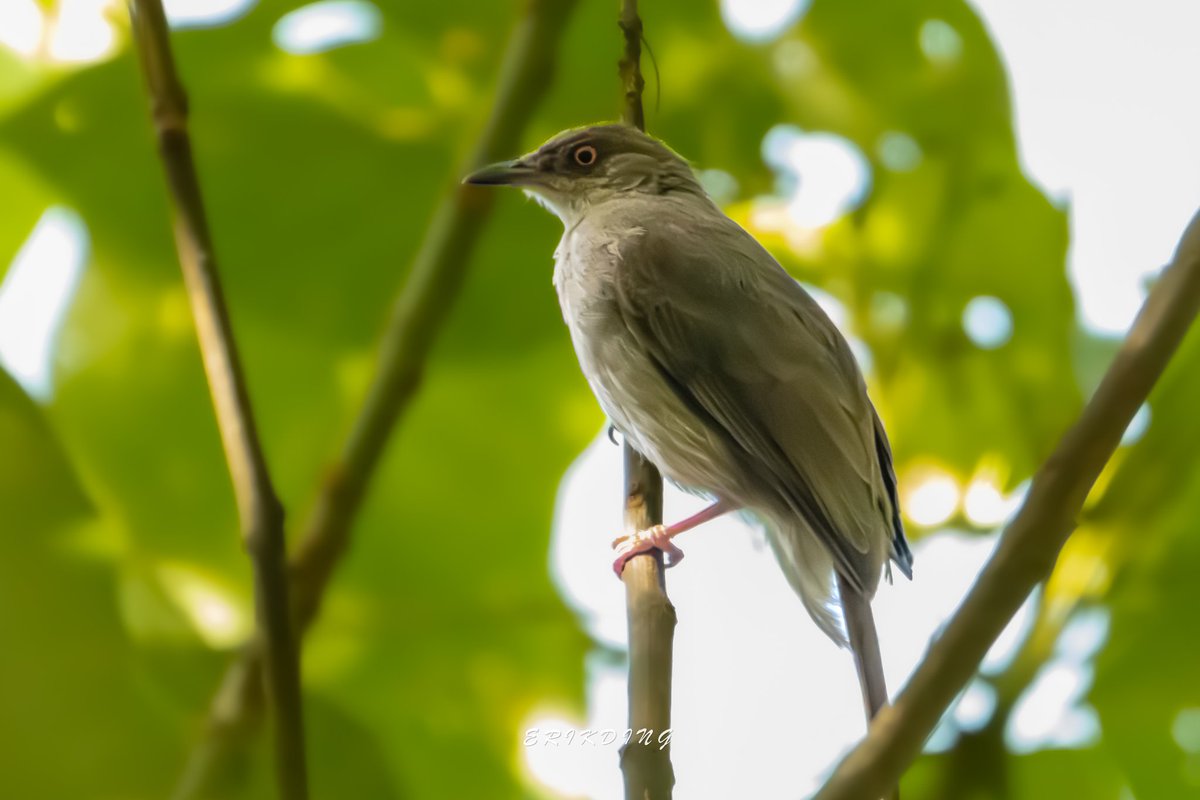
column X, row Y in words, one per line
column 417, row 315
column 630, row 65
column 428, row 294
column 1031, row 543
column 259, row 509
column 645, row 763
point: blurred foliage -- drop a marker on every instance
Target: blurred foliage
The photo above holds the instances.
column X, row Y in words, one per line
column 443, row 630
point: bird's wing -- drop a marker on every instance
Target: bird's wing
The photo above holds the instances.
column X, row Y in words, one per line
column 750, row 352
column 900, row 552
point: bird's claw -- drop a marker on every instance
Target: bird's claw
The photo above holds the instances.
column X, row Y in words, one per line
column 656, row 537
column 612, row 434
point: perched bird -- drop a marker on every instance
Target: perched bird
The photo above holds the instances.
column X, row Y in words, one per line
column 718, row 367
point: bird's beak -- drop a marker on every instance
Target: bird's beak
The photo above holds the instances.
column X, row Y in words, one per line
column 505, row 173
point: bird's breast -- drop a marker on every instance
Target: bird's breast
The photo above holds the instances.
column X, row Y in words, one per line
column 628, row 385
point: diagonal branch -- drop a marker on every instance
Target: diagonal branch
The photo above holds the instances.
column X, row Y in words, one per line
column 1031, row 543
column 647, row 769
column 259, row 509
column 422, row 306
column 417, row 315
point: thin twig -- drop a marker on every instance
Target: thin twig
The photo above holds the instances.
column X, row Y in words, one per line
column 259, row 509
column 646, row 758
column 417, row 315
column 1031, row 543
column 630, row 65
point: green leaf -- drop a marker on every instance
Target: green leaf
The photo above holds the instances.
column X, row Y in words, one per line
column 26, row 199
column 993, row 774
column 80, row 719
column 39, row 490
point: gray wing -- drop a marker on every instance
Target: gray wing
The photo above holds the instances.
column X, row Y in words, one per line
column 752, row 354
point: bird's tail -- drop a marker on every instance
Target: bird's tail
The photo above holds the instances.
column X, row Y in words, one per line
column 808, row 568
column 864, row 644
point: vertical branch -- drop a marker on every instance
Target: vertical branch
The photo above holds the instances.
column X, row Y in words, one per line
column 259, row 509
column 645, row 763
column 630, row 65
column 418, row 313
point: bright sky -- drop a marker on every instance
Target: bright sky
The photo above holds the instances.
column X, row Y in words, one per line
column 1106, row 123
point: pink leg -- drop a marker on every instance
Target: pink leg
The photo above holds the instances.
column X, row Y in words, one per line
column 660, row 536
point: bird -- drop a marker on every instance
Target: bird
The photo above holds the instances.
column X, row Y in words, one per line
column 717, row 366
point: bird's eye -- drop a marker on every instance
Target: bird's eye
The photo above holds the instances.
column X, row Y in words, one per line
column 585, row 156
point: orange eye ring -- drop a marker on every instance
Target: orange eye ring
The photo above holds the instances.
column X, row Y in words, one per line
column 585, row 156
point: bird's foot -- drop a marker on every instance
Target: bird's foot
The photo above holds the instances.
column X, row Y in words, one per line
column 656, row 537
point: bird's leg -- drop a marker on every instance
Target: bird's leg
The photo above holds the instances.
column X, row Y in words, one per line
column 660, row 536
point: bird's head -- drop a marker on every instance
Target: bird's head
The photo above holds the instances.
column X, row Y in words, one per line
column 580, row 168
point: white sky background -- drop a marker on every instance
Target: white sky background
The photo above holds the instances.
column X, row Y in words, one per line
column 1104, row 95
column 1106, row 121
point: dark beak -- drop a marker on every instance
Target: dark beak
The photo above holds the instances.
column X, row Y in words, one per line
column 505, row 173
